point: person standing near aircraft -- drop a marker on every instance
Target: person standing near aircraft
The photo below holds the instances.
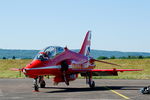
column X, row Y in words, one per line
column 145, row 90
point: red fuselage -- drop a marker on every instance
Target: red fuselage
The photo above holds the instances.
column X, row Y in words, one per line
column 53, row 66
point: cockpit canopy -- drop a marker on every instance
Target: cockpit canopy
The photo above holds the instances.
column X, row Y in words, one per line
column 49, row 53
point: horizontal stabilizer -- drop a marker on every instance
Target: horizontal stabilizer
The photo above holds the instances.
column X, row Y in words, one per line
column 105, row 62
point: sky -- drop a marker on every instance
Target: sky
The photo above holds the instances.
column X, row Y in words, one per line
column 116, row 25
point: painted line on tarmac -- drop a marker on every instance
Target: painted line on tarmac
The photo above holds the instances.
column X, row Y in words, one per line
column 123, row 96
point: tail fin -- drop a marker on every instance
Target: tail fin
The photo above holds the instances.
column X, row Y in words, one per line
column 85, row 49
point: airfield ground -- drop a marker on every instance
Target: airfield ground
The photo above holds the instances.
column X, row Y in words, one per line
column 106, row 89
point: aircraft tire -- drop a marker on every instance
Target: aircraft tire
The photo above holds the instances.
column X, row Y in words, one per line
column 42, row 84
column 92, row 85
column 67, row 83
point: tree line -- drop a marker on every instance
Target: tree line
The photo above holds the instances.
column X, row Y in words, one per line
column 14, row 57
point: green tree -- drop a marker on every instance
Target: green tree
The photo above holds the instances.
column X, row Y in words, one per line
column 123, row 57
column 102, row 57
column 4, row 58
column 129, row 57
column 140, row 57
column 112, row 57
column 13, row 57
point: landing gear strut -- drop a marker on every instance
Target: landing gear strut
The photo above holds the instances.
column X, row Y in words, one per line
column 145, row 90
column 41, row 82
column 65, row 78
column 35, row 85
column 89, row 80
column 64, row 68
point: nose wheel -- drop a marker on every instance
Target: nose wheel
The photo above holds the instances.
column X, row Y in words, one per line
column 41, row 83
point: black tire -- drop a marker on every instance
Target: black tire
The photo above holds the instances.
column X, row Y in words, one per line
column 92, row 85
column 67, row 83
column 42, row 84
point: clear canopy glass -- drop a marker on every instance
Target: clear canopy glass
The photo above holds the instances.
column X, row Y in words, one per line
column 49, row 53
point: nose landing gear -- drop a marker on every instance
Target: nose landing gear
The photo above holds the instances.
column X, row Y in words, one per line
column 35, row 85
column 41, row 82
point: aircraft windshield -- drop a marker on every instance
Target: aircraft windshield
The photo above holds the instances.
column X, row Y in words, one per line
column 49, row 53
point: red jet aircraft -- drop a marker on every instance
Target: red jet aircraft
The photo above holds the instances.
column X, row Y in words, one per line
column 65, row 65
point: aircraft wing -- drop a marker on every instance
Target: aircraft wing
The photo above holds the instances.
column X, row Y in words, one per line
column 102, row 72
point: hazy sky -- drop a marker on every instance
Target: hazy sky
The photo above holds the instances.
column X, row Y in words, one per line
column 120, row 25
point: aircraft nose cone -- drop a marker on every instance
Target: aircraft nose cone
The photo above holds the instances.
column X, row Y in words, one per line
column 34, row 64
column 30, row 69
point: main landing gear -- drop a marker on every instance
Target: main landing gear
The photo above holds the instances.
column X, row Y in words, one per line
column 145, row 90
column 65, row 78
column 64, row 68
column 41, row 82
column 89, row 80
column 35, row 85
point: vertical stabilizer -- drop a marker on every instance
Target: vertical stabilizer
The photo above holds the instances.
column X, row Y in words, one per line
column 85, row 49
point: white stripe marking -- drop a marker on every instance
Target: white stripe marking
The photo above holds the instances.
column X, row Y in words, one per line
column 48, row 67
column 89, row 37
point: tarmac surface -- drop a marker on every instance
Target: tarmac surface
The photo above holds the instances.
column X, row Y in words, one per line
column 106, row 89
